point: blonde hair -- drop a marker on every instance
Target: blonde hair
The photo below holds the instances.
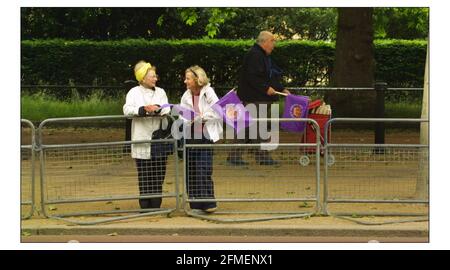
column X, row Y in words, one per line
column 141, row 69
column 199, row 75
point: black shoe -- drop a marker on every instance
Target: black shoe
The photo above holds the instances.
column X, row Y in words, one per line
column 203, row 207
column 267, row 161
column 236, row 161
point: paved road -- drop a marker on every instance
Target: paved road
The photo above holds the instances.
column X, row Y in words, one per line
column 212, row 239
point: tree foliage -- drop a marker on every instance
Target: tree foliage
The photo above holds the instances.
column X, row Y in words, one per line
column 401, row 23
column 224, row 23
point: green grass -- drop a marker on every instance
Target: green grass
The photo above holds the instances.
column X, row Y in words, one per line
column 39, row 107
column 402, row 110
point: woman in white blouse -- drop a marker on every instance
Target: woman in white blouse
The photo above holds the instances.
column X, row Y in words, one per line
column 145, row 100
column 199, row 97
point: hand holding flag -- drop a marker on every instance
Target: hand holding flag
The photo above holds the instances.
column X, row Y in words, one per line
column 182, row 111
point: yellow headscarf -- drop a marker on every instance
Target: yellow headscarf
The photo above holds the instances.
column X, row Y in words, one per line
column 140, row 73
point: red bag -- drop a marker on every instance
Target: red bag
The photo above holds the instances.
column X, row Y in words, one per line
column 310, row 134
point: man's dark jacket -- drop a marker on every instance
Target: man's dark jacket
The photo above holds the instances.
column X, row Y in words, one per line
column 258, row 72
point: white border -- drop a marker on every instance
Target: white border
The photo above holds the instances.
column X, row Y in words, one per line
column 440, row 87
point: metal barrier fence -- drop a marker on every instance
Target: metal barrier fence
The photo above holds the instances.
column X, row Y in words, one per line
column 102, row 179
column 27, row 169
column 381, row 179
column 288, row 189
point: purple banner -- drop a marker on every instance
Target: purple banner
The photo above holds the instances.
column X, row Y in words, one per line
column 295, row 107
column 233, row 111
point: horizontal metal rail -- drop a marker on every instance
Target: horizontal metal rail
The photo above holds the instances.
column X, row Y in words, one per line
column 330, row 145
column 249, row 145
column 254, row 200
column 81, row 145
column 376, row 201
column 115, row 198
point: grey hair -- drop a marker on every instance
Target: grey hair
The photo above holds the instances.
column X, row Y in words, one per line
column 263, row 36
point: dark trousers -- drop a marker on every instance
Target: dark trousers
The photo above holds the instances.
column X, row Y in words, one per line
column 237, row 153
column 199, row 169
column 151, row 173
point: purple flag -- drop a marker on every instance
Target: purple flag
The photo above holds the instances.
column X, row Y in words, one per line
column 233, row 111
column 182, row 111
column 295, row 107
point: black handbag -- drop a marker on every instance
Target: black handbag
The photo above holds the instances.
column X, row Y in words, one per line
column 161, row 149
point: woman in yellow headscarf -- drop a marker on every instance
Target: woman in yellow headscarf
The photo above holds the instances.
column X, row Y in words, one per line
column 145, row 100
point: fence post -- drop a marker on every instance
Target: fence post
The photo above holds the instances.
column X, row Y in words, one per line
column 380, row 88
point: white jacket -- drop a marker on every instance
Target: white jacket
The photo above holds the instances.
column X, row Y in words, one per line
column 142, row 128
column 207, row 98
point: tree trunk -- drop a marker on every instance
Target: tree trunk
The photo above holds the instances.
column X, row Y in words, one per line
column 354, row 64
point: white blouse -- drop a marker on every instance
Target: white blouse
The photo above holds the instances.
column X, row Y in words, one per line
column 142, row 128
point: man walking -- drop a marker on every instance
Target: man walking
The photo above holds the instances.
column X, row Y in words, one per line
column 259, row 80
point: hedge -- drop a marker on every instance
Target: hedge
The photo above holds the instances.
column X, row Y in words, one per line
column 60, row 62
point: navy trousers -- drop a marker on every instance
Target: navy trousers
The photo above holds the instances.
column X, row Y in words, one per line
column 199, row 168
